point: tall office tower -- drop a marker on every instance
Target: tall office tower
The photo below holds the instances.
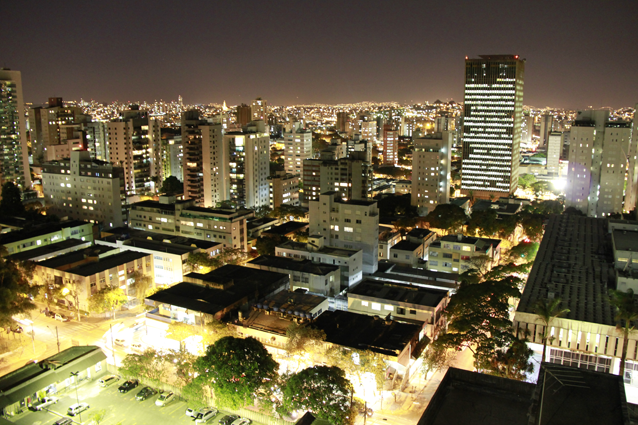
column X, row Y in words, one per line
column 172, row 154
column 342, row 122
column 547, row 122
column 247, row 165
column 598, row 150
column 369, row 130
column 431, row 161
column 83, row 188
column 192, row 127
column 46, row 126
column 259, row 110
column 14, row 157
column 244, row 115
column 527, row 129
column 311, row 180
column 297, row 148
column 350, row 177
column 135, row 145
column 347, row 224
column 493, row 111
column 631, row 192
column 390, row 145
column 554, row 149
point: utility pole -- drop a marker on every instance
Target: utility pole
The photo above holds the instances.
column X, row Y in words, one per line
column 77, row 382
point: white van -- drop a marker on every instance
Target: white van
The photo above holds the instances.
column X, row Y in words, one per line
column 107, row 380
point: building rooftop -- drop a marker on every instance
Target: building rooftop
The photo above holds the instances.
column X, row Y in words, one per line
column 204, row 299
column 301, row 266
column 574, row 262
column 50, row 250
column 399, row 292
column 419, row 233
column 230, row 275
column 625, row 240
column 218, row 211
column 260, row 222
column 286, row 228
column 125, row 233
column 107, row 263
column 329, row 250
column 40, row 230
column 482, row 244
column 361, row 331
column 391, row 269
column 160, row 246
column 406, row 245
column 70, row 258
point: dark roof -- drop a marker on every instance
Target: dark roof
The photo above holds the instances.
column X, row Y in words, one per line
column 218, row 211
column 625, row 240
column 49, row 250
column 395, row 269
column 76, row 256
column 366, row 332
column 286, row 228
column 231, row 274
column 399, row 292
column 107, row 263
column 420, row 233
column 160, row 246
column 302, row 266
column 258, row 222
column 43, row 229
column 124, row 233
column 154, row 204
column 479, row 242
column 406, row 245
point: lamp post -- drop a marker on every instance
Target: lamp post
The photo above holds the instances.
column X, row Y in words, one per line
column 77, row 382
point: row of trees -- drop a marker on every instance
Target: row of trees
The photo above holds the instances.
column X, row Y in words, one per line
column 202, row 260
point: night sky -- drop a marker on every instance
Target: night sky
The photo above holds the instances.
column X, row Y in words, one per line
column 579, row 53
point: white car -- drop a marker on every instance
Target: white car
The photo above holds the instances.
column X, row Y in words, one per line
column 44, row 402
column 164, row 399
column 205, row 415
column 241, row 421
column 121, row 342
column 108, row 380
column 77, row 408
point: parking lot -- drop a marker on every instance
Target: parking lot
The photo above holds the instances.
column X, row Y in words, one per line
column 120, row 408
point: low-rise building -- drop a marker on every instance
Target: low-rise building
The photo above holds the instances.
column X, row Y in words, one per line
column 387, row 239
column 37, row 236
column 350, row 261
column 455, row 253
column 317, row 278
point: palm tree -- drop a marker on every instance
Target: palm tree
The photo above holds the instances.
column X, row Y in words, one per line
column 547, row 310
column 627, row 312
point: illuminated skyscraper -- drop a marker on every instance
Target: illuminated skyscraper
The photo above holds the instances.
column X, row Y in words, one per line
column 390, row 145
column 259, row 109
column 493, row 112
column 14, row 161
column 431, row 161
column 298, row 147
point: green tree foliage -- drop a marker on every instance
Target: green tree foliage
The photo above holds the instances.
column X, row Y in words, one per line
column 405, row 224
column 109, row 298
column 478, row 317
column 16, row 288
column 288, row 212
column 303, row 339
column 436, row 356
column 512, row 362
column 374, row 363
column 524, row 252
column 50, row 291
column 526, row 180
column 626, row 316
column 151, row 365
column 141, row 285
column 532, row 225
column 266, row 245
column 262, row 211
column 322, row 390
column 183, row 364
column 172, row 185
column 394, row 172
column 195, row 392
column 396, row 206
column 447, row 217
column 236, row 369
column 11, row 203
column 507, row 226
column 483, row 223
column 546, row 208
column 540, row 187
column 547, row 310
column 226, row 256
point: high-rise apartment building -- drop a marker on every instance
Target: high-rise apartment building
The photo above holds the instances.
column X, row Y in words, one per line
column 14, row 159
column 283, row 189
column 431, row 161
column 47, row 126
column 347, row 224
column 547, row 122
column 390, row 145
column 527, row 129
column 297, row 148
column 244, row 115
column 259, row 110
column 631, row 192
column 350, row 178
column 135, row 144
column 493, row 112
column 554, row 149
column 82, row 188
column 342, row 121
column 598, row 153
column 369, row 130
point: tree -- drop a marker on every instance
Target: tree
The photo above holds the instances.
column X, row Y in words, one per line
column 226, row 256
column 436, row 357
column 172, row 185
column 303, row 339
column 526, row 180
column 448, row 217
column 236, row 369
column 51, row 289
column 512, row 363
column 532, row 225
column 322, row 390
column 107, row 299
column 507, row 226
column 479, row 319
column 485, row 223
column 74, row 289
column 374, row 363
column 287, row 212
column 405, row 224
column 262, row 211
column 547, row 310
column 194, row 392
column 626, row 313
column 141, row 284
column 98, row 416
column 266, row 245
column 524, row 252
column 150, row 364
column 16, row 288
column 183, row 363
column 11, row 203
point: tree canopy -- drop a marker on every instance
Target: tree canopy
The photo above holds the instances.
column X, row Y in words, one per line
column 524, row 252
column 266, row 245
column 448, row 217
column 483, row 223
column 226, row 256
column 11, row 203
column 109, row 298
column 626, row 317
column 16, row 288
column 527, row 180
column 301, row 339
column 150, row 364
column 172, row 185
column 322, row 390
column 236, row 369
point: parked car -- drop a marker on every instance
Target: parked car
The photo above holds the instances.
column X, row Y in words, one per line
column 17, row 329
column 77, row 408
column 228, row 419
column 128, row 385
column 241, row 421
column 108, row 380
column 164, row 399
column 42, row 403
column 205, row 415
column 145, row 393
column 61, row 317
column 63, row 421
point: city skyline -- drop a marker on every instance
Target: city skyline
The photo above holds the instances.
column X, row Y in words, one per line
column 306, row 54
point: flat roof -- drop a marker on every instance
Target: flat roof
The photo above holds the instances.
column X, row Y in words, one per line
column 197, row 297
column 107, row 263
column 329, row 250
column 302, row 266
column 293, row 300
column 125, row 233
column 287, row 228
column 625, row 240
column 575, row 263
column 75, row 256
column 39, row 230
column 50, row 249
column 398, row 270
column 160, row 246
column 361, row 331
column 406, row 245
column 237, row 274
column 399, row 292
column 420, row 233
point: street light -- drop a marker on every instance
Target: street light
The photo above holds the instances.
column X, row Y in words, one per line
column 77, row 382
